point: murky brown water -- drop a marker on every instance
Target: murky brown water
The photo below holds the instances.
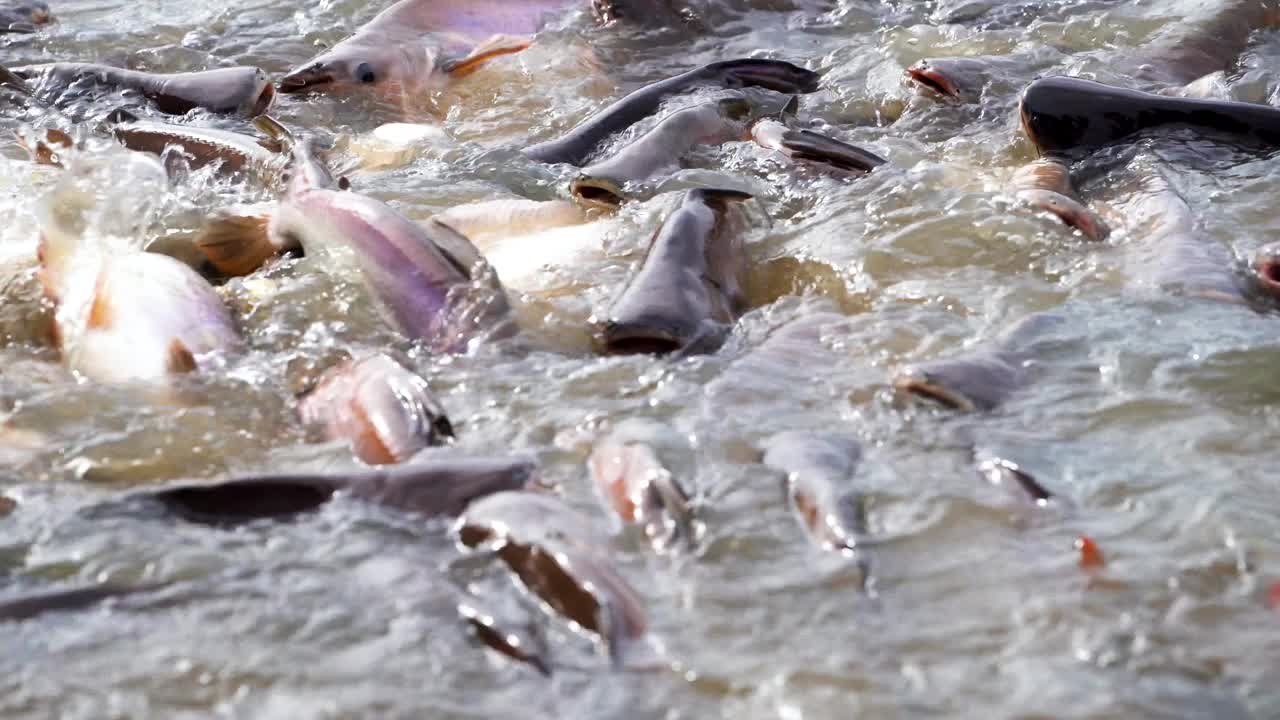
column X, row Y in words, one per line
column 1156, row 424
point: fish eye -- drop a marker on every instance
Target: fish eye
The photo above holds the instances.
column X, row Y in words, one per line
column 365, row 73
column 344, row 183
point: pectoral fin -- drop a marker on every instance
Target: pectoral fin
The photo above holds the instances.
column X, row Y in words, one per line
column 236, row 244
column 483, row 53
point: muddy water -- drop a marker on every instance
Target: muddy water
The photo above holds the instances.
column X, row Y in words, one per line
column 1155, row 422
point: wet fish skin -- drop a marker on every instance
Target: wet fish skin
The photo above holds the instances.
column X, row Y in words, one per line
column 558, row 558
column 819, row 468
column 431, row 487
column 1046, row 184
column 233, row 153
column 385, row 411
column 244, row 90
column 813, row 148
column 109, row 326
column 984, row 378
column 430, row 280
column 579, row 144
column 1071, row 117
column 415, row 45
column 688, row 290
column 600, row 184
column 24, row 16
column 959, row 79
column 635, row 469
column 1266, row 270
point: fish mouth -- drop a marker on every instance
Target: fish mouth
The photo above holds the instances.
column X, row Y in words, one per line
column 307, row 79
column 923, row 385
column 931, row 79
column 596, row 192
column 262, row 100
column 1072, row 213
column 1267, row 270
column 636, row 338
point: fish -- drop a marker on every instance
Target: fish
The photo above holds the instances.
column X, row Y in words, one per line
column 1208, row 39
column 555, row 554
column 688, row 291
column 1070, row 117
column 495, row 219
column 819, row 470
column 415, row 46
column 125, row 316
column 963, row 79
column 384, row 410
column 601, row 184
column 579, row 144
column 24, row 16
column 430, row 487
column 809, row 147
column 430, row 282
column 636, row 469
column 243, row 90
column 1046, row 184
column 661, row 13
column 1265, row 269
column 234, row 154
column 983, row 378
column 1173, row 254
column 781, row 361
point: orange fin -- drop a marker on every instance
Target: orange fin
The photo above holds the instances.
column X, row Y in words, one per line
column 100, row 311
column 180, row 358
column 483, row 53
column 236, row 245
column 1090, row 554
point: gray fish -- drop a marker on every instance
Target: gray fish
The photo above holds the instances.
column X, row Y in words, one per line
column 819, row 468
column 1173, row 254
column 984, row 378
column 688, row 291
column 664, row 13
column 435, row 486
column 585, row 140
column 711, row 123
column 1072, row 117
column 246, row 91
column 807, row 146
column 559, row 559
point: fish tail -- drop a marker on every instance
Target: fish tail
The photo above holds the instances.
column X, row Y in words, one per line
column 236, row 245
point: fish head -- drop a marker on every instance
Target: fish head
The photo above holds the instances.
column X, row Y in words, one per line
column 359, row 64
column 1266, row 269
column 25, row 16
column 953, row 79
